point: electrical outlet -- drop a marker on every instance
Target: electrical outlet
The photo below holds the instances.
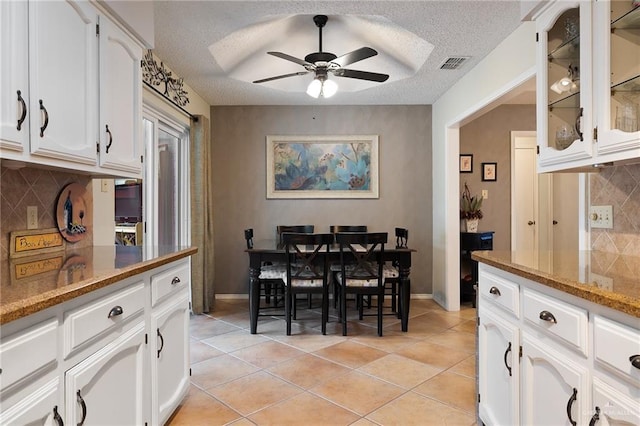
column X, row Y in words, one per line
column 104, row 185
column 601, row 217
column 605, row 283
column 32, row 217
column 485, row 194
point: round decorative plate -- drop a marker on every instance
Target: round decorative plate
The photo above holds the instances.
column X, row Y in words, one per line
column 71, row 213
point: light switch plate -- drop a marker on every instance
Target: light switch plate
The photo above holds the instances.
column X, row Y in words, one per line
column 485, row 194
column 601, row 217
column 32, row 217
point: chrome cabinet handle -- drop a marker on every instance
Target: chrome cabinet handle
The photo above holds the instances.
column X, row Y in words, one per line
column 56, row 416
column 110, row 138
column 495, row 290
column 635, row 361
column 115, row 311
column 506, row 354
column 548, row 316
column 175, row 280
column 595, row 418
column 46, row 119
column 572, row 399
column 23, row 107
column 161, row 341
column 83, row 406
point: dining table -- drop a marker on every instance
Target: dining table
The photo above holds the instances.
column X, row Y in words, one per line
column 271, row 250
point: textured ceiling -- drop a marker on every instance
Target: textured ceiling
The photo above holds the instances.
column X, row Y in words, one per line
column 215, row 45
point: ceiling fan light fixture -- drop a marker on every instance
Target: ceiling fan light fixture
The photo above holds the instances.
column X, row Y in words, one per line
column 322, row 87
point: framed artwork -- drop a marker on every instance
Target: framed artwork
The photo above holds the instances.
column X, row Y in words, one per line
column 322, row 166
column 466, row 163
column 489, row 171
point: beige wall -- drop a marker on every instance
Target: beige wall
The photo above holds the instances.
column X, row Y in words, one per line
column 488, row 138
column 618, row 187
column 238, row 137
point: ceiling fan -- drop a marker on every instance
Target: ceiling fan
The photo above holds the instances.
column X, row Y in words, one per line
column 323, row 63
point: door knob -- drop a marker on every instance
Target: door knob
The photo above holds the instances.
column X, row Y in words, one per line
column 555, row 222
column 531, row 222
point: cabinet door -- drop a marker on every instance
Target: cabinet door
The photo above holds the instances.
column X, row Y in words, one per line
column 39, row 408
column 108, row 387
column 564, row 86
column 555, row 389
column 611, row 407
column 120, row 100
column 62, row 75
column 170, row 357
column 498, row 370
column 14, row 82
column 617, row 78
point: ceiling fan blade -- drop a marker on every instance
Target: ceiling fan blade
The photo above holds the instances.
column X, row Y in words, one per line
column 355, row 56
column 291, row 58
column 362, row 75
column 293, row 74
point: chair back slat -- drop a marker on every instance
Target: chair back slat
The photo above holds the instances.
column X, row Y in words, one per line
column 334, row 229
column 366, row 250
column 402, row 237
column 248, row 236
column 298, row 229
column 302, row 251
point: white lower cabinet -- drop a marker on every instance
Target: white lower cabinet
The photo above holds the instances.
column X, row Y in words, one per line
column 499, row 375
column 169, row 357
column 40, row 407
column 562, row 362
column 111, row 357
column 554, row 388
column 108, row 387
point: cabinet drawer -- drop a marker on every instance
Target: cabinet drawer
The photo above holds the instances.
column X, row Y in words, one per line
column 560, row 319
column 97, row 318
column 500, row 291
column 614, row 345
column 167, row 282
column 28, row 352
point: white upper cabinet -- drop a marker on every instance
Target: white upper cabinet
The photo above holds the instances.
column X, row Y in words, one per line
column 120, row 100
column 564, row 112
column 588, row 84
column 65, row 80
column 14, row 78
column 617, row 79
column 62, row 75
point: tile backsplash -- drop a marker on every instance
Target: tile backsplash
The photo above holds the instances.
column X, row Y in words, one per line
column 30, row 186
column 618, row 187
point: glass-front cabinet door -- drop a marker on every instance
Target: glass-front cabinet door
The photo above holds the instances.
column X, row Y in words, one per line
column 617, row 78
column 564, row 90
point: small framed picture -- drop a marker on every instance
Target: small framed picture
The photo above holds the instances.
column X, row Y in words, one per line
column 489, row 171
column 466, row 163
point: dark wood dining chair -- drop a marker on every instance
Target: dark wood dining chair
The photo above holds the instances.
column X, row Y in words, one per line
column 271, row 283
column 392, row 273
column 361, row 270
column 307, row 271
column 298, row 229
column 335, row 267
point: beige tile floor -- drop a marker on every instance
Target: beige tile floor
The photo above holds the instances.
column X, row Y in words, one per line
column 423, row 377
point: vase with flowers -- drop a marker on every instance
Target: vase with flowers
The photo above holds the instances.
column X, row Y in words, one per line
column 470, row 211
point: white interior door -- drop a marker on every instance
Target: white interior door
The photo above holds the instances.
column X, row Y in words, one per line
column 526, row 223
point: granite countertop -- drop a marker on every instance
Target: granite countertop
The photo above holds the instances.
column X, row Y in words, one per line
column 34, row 283
column 607, row 279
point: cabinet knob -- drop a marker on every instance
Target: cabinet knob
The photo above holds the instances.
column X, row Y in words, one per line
column 635, row 361
column 495, row 290
column 531, row 222
column 175, row 280
column 115, row 311
column 548, row 316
